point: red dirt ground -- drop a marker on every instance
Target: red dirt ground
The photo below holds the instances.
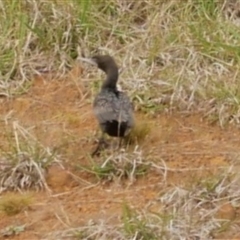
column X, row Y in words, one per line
column 58, row 113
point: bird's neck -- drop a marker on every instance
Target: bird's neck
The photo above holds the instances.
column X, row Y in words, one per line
column 111, row 80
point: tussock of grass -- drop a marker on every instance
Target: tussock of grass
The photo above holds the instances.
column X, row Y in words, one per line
column 194, row 210
column 137, row 226
column 24, row 164
column 12, row 230
column 138, row 133
column 119, row 165
column 25, row 173
column 12, row 204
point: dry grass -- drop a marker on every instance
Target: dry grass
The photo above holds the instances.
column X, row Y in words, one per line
column 24, row 161
column 204, row 209
column 174, row 56
column 195, row 212
column 119, row 165
column 12, row 230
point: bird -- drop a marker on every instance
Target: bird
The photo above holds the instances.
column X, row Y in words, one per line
column 112, row 108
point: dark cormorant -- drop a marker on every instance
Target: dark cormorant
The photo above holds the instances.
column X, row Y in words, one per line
column 112, row 108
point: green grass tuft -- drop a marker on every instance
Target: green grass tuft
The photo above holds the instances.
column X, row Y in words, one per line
column 12, row 204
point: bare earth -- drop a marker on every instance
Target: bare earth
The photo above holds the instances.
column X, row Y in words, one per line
column 58, row 113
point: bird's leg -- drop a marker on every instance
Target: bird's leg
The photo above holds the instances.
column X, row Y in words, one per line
column 102, row 144
column 120, row 138
column 120, row 142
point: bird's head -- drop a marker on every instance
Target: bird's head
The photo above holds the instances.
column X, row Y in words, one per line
column 103, row 62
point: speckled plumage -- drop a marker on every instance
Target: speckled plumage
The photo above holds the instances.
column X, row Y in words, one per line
column 114, row 112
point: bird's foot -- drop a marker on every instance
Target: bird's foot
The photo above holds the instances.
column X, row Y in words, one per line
column 102, row 144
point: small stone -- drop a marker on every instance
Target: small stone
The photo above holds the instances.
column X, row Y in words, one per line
column 226, row 211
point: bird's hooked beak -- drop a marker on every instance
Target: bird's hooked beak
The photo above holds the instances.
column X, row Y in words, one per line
column 88, row 60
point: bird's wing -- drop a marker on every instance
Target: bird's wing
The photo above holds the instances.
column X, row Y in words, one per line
column 109, row 107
